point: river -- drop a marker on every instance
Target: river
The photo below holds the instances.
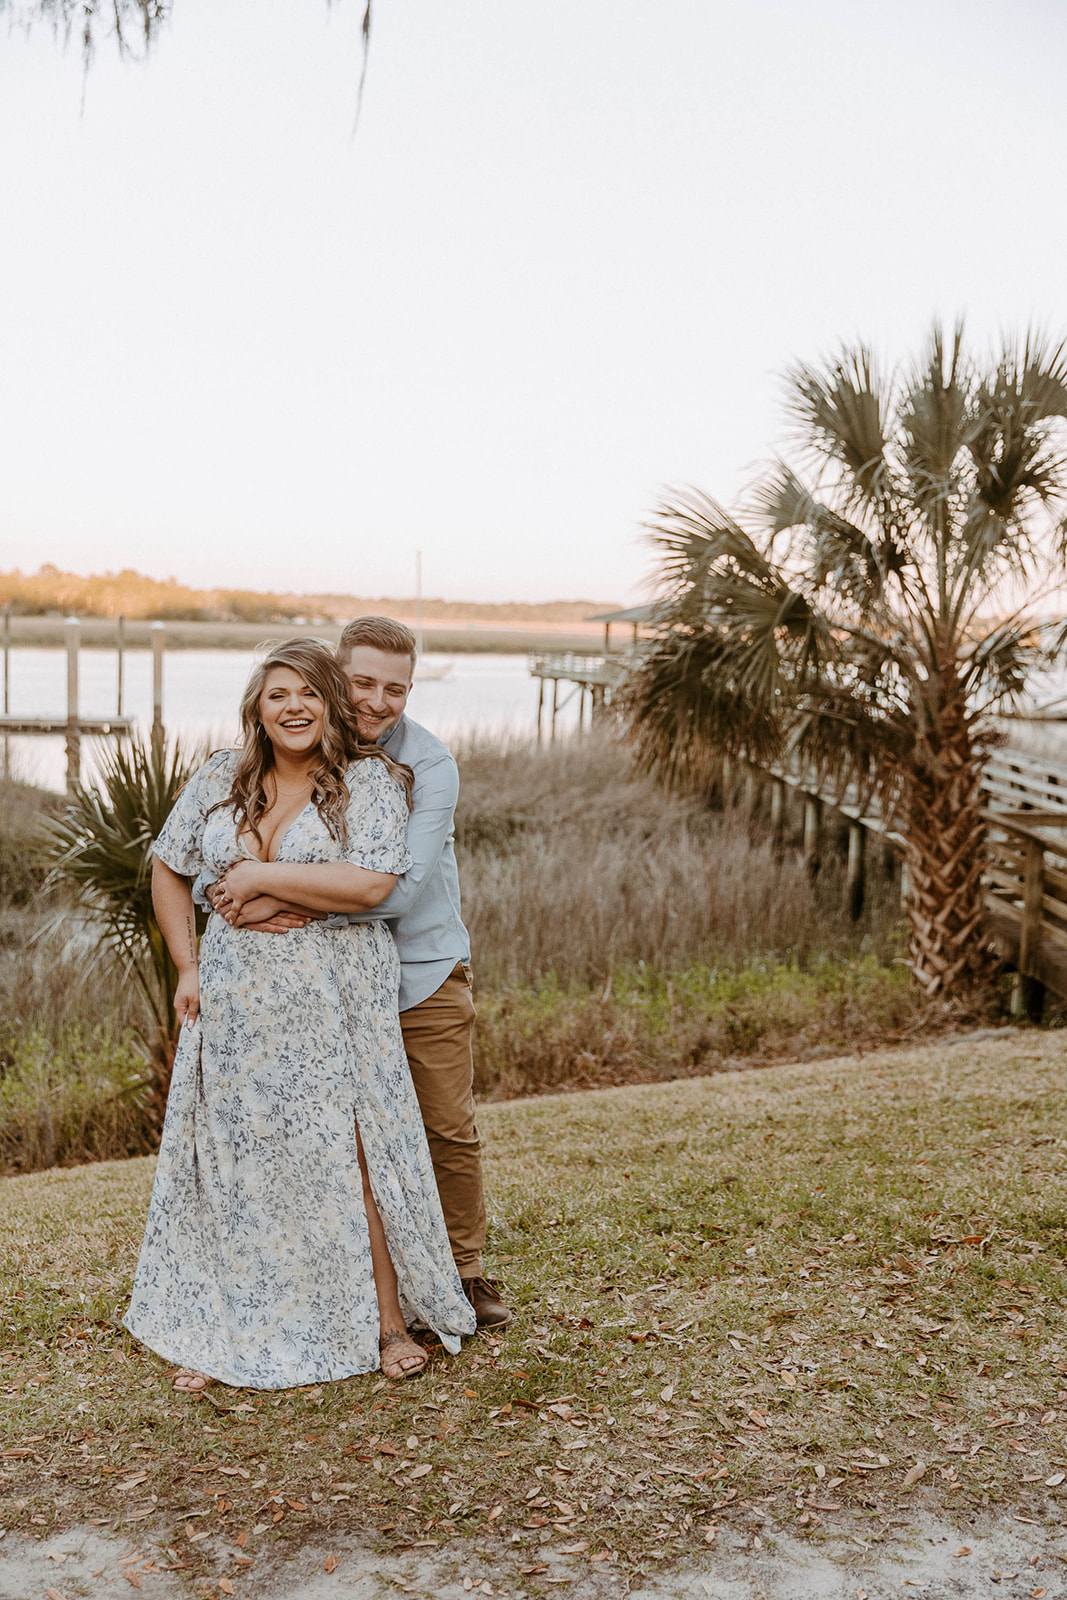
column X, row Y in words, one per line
column 492, row 695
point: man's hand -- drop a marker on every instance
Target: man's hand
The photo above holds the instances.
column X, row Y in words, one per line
column 264, row 912
column 267, row 915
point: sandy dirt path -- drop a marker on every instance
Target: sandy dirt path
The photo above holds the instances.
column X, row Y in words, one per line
column 926, row 1557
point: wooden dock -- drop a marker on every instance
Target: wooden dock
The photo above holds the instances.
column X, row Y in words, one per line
column 1026, row 815
column 1025, row 876
column 591, row 678
column 75, row 726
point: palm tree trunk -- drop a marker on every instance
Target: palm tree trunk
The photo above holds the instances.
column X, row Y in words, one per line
column 945, row 851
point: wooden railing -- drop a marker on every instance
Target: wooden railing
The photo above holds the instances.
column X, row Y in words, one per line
column 1025, row 877
column 1026, row 869
column 592, row 677
column 602, row 671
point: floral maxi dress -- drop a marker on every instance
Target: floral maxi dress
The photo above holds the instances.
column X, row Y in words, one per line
column 255, row 1267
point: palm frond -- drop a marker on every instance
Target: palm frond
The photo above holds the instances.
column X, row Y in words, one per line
column 100, row 846
column 841, row 552
column 843, row 414
column 936, row 424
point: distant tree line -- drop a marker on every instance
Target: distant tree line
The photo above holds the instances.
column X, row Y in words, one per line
column 132, row 594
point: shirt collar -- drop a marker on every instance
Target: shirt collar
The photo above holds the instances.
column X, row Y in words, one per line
column 394, row 732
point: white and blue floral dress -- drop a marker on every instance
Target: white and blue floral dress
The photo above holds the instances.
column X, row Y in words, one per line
column 255, row 1266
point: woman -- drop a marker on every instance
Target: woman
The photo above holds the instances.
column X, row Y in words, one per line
column 295, row 1227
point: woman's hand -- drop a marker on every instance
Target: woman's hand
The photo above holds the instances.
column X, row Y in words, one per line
column 239, row 883
column 187, row 996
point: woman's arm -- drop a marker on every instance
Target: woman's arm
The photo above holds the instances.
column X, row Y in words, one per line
column 321, row 886
column 172, row 901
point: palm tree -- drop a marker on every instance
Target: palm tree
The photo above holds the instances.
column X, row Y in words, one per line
column 865, row 619
column 101, row 846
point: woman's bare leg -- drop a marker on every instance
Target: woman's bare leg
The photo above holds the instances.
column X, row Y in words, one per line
column 401, row 1356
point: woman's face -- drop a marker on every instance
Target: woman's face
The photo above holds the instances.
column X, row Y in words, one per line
column 292, row 712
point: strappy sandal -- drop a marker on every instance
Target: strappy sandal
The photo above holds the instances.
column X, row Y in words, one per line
column 396, row 1336
column 202, row 1381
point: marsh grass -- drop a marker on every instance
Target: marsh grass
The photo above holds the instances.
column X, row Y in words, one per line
column 740, row 1299
column 621, row 933
column 624, row 933
column 573, row 864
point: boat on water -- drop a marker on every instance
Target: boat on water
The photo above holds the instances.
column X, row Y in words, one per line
column 432, row 671
column 425, row 671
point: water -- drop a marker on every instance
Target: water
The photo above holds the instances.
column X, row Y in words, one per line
column 487, row 694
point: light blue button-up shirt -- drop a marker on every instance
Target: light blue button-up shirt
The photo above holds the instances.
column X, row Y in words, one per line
column 423, row 910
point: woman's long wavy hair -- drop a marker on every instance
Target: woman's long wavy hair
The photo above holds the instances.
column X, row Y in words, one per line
column 339, row 747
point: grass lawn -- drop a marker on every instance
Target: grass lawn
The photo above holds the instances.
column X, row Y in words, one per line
column 810, row 1292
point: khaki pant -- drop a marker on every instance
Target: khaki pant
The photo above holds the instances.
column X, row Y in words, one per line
column 437, row 1038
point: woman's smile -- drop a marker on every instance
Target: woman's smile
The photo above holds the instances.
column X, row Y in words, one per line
column 291, row 711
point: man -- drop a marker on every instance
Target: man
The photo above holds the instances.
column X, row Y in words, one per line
column 377, row 656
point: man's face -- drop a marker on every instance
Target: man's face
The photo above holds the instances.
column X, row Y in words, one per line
column 379, row 682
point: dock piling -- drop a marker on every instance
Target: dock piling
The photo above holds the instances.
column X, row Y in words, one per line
column 7, row 687
column 120, row 646
column 812, row 818
column 71, row 631
column 159, row 630
column 855, row 873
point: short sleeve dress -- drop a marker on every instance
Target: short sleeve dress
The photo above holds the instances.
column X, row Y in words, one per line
column 255, row 1267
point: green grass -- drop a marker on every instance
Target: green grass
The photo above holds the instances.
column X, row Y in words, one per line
column 759, row 1295
column 646, row 1024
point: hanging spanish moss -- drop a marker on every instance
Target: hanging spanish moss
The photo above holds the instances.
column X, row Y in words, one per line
column 130, row 25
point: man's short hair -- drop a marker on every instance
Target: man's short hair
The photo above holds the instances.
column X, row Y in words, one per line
column 380, row 633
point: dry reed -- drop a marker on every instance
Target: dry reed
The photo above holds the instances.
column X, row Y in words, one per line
column 574, row 865
column 620, row 933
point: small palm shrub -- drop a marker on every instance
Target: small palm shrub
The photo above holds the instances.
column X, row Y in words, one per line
column 99, row 847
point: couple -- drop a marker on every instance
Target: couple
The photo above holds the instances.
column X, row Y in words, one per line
column 318, row 1187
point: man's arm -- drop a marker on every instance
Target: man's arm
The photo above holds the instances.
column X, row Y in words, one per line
column 429, row 825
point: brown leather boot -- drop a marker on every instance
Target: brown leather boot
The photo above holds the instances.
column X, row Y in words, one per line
column 484, row 1296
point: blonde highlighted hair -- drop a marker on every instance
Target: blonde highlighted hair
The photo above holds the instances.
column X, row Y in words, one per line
column 339, row 747
column 380, row 633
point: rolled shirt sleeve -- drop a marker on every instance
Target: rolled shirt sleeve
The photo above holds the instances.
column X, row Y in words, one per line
column 429, row 828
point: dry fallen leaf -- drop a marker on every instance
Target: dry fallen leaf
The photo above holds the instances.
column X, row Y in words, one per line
column 667, row 1393
column 913, row 1474
column 1055, row 1480
column 331, row 1563
column 57, row 1594
column 420, row 1472
column 134, row 1578
column 225, row 1585
column 964, row 1550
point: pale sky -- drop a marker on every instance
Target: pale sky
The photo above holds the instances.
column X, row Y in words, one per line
column 562, row 263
